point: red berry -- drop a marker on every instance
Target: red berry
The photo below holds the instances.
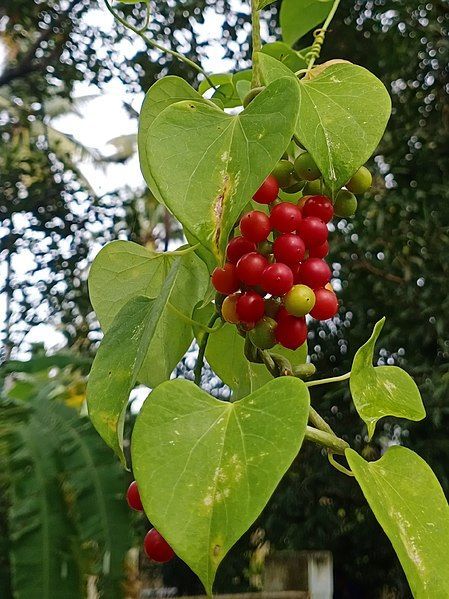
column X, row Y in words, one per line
column 157, row 548
column 133, row 497
column 250, row 307
column 238, row 247
column 326, row 304
column 319, row 251
column 313, row 230
column 250, row 268
column 268, row 191
column 289, row 248
column 285, row 217
column 255, row 226
column 319, row 206
column 225, row 279
column 291, row 332
column 314, row 272
column 277, row 279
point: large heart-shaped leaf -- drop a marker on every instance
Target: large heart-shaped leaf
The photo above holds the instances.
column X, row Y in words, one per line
column 410, row 505
column 161, row 94
column 207, row 164
column 206, row 468
column 119, row 360
column 298, row 17
column 123, row 270
column 225, row 354
column 343, row 112
column 382, row 390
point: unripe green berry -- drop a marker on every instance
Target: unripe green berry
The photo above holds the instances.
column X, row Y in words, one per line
column 306, row 168
column 312, row 188
column 284, row 173
column 296, row 188
column 361, row 181
column 345, row 204
column 262, row 335
column 265, row 248
column 304, row 371
column 299, row 300
column 251, row 95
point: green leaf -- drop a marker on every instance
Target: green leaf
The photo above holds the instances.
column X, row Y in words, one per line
column 285, row 54
column 225, row 354
column 206, row 468
column 410, row 505
column 208, row 164
column 119, row 360
column 123, row 270
column 343, row 112
column 217, row 79
column 298, row 17
column 382, row 390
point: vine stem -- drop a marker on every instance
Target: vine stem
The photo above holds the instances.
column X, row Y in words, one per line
column 334, row 379
column 320, row 34
column 331, row 442
column 257, row 45
column 149, row 42
column 198, row 370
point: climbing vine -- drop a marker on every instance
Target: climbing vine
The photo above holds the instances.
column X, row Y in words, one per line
column 254, row 165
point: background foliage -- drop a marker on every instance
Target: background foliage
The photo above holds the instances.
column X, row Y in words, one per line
column 391, row 259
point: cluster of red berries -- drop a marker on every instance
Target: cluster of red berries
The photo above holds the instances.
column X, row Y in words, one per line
column 154, row 544
column 275, row 273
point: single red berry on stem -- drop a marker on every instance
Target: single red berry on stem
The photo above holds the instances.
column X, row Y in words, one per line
column 238, row 247
column 277, row 279
column 326, row 304
column 157, row 548
column 268, row 191
column 255, row 226
column 320, row 207
column 319, row 251
column 313, row 231
column 225, row 279
column 291, row 332
column 285, row 217
column 250, row 307
column 250, row 268
column 133, row 497
column 289, row 248
column 314, row 272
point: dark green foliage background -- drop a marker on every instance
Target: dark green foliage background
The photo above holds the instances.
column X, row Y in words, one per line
column 392, row 258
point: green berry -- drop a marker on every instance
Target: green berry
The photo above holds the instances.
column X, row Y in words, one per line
column 262, row 335
column 361, row 181
column 251, row 95
column 306, row 168
column 299, row 300
column 345, row 204
column 296, row 188
column 312, row 188
column 284, row 173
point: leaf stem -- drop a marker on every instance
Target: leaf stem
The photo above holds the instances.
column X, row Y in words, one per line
column 257, row 45
column 319, row 35
column 198, row 370
column 331, row 442
column 191, row 321
column 319, row 422
column 337, row 465
column 149, row 42
column 334, row 379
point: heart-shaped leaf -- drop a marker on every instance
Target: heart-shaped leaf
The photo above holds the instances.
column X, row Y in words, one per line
column 207, row 164
column 225, row 354
column 123, row 270
column 343, row 112
column 382, row 390
column 298, row 17
column 410, row 505
column 206, row 468
column 286, row 55
column 119, row 360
